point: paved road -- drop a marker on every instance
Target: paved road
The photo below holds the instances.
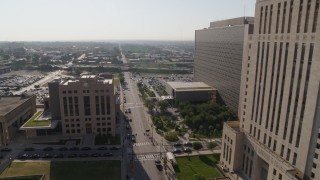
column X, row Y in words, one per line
column 141, row 164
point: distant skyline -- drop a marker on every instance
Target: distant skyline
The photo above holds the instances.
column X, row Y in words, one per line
column 97, row 20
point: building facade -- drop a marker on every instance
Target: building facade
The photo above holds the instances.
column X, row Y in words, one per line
column 191, row 92
column 218, row 58
column 14, row 112
column 278, row 136
column 88, row 105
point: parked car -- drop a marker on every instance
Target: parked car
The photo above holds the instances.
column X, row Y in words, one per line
column 5, row 149
column 114, row 148
column 86, row 148
column 102, row 148
column 84, row 155
column 95, row 155
column 63, row 149
column 177, row 151
column 29, row 149
column 58, row 155
column 48, row 149
column 72, row 155
column 74, row 148
column 108, row 154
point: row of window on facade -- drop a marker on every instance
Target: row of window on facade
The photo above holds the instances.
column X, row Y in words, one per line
column 305, row 29
column 71, row 107
column 73, row 131
column 84, row 91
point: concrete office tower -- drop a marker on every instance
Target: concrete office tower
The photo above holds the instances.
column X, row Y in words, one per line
column 278, row 136
column 88, row 105
column 218, row 58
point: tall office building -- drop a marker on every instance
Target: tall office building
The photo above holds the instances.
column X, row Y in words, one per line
column 88, row 105
column 278, row 136
column 218, row 58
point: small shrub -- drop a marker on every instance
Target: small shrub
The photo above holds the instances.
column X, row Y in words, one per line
column 171, row 136
column 197, row 145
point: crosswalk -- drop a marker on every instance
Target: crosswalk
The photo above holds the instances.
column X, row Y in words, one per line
column 145, row 157
column 141, row 144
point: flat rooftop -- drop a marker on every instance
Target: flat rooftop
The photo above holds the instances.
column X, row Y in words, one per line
column 190, row 86
column 234, row 125
column 9, row 103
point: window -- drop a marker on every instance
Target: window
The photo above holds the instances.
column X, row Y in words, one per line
column 75, row 91
column 280, row 176
column 315, row 17
column 67, row 131
column 290, row 16
column 294, row 161
column 316, row 156
column 314, row 165
column 288, row 154
column 282, row 149
column 274, row 172
column 284, row 16
column 299, row 16
column 86, row 105
column 278, row 16
column 78, row 130
column 67, row 125
column 307, row 17
column 312, row 175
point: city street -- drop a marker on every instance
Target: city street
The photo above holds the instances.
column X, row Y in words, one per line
column 141, row 165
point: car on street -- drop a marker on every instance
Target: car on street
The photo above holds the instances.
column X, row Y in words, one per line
column 177, row 145
column 5, row 149
column 158, row 165
column 72, row 155
column 58, row 155
column 48, row 149
column 95, row 155
column 177, row 151
column 187, row 150
column 84, row 155
column 74, row 148
column 108, row 154
column 86, row 148
column 63, row 149
column 102, row 148
column 29, row 149
column 47, row 156
column 114, row 148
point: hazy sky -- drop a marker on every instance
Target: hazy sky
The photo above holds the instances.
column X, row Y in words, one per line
column 58, row 20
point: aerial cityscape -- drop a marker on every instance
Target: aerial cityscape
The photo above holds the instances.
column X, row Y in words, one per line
column 168, row 90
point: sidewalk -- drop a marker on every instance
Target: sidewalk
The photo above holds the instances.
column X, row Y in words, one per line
column 197, row 153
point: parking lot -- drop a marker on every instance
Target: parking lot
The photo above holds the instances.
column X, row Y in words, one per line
column 68, row 152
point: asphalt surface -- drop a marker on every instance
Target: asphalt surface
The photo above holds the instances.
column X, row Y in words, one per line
column 141, row 163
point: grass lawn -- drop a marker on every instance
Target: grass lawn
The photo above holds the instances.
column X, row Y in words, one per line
column 107, row 140
column 33, row 122
column 72, row 170
column 203, row 165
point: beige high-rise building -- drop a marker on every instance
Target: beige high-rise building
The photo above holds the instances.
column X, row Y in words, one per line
column 278, row 133
column 88, row 105
column 218, row 58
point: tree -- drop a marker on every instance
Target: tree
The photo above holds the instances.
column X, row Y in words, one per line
column 163, row 105
column 197, row 145
column 212, row 145
column 171, row 136
column 149, row 104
